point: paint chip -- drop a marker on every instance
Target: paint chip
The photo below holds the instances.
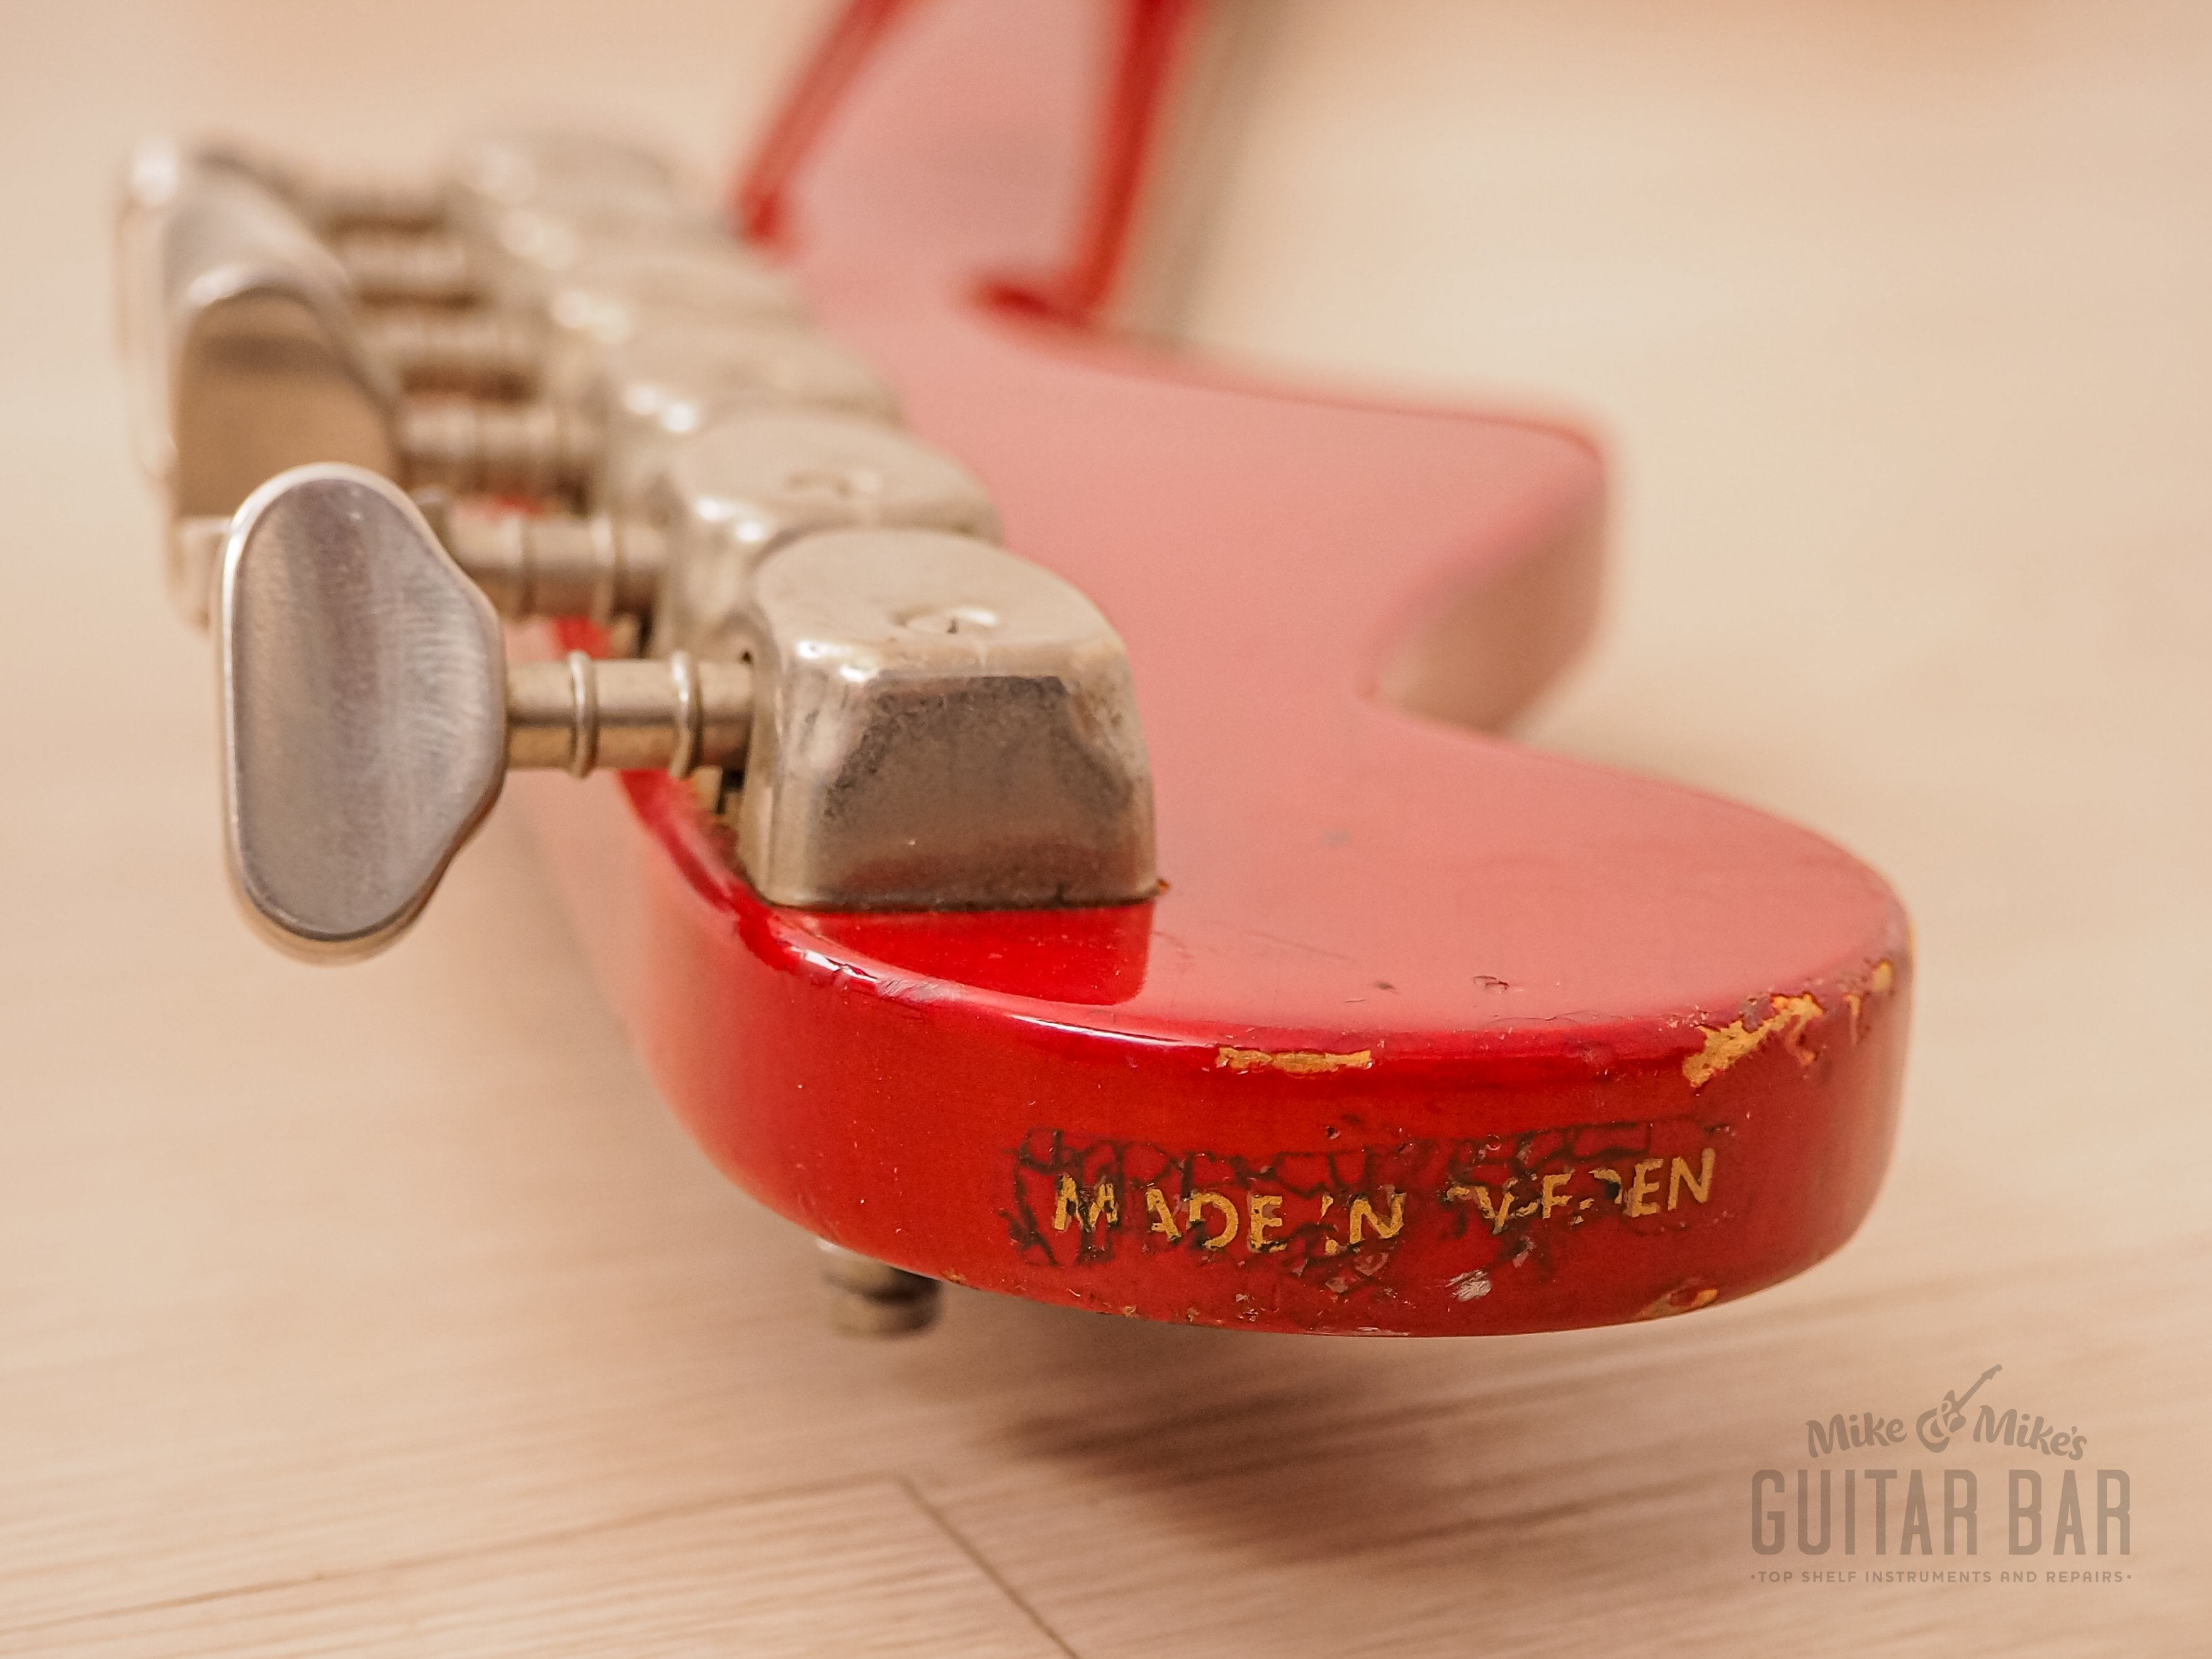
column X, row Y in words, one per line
column 1686, row 1297
column 1296, row 1062
column 1727, row 1044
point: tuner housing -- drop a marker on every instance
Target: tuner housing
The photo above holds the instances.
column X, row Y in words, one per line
column 938, row 725
column 749, row 485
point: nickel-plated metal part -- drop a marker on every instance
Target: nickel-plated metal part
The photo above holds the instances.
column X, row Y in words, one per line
column 547, row 239
column 868, row 1297
column 363, row 710
column 241, row 337
column 473, row 349
column 671, row 714
column 588, row 275
column 612, row 291
column 331, row 203
column 255, row 358
column 556, row 167
column 671, row 382
column 368, row 716
column 749, row 484
column 938, row 725
column 241, row 345
column 556, row 564
column 337, row 203
column 725, row 498
column 413, row 267
column 523, row 214
column 545, row 449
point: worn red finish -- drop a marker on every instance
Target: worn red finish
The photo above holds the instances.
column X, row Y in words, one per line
column 1427, row 1032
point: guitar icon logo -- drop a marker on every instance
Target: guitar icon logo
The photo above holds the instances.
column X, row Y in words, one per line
column 1939, row 1423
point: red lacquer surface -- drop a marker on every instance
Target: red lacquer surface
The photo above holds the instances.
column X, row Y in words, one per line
column 1427, row 1033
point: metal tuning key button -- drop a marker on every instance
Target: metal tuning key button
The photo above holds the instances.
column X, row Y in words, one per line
column 368, row 718
column 362, row 710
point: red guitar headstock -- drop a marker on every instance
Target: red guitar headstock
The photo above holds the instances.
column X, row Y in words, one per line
column 1420, row 1032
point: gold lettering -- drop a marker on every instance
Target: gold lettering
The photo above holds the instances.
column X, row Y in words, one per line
column 1263, row 1207
column 1643, row 1193
column 1500, row 1214
column 1700, row 1184
column 1230, row 1219
column 1070, row 1198
column 1163, row 1220
column 1554, row 1197
column 1361, row 1208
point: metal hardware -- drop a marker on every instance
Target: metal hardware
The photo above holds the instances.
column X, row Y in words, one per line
column 627, row 715
column 674, row 381
column 926, row 721
column 534, row 564
column 589, row 275
column 368, row 718
column 555, row 166
column 545, row 449
column 550, row 238
column 244, row 347
column 938, row 725
column 419, row 267
column 611, row 291
column 747, row 486
column 431, row 348
column 363, row 710
column 239, row 338
column 868, row 1297
column 251, row 360
column 331, row 204
column 722, row 500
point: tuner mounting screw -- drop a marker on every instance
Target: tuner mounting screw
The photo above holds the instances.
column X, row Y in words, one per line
column 868, row 1297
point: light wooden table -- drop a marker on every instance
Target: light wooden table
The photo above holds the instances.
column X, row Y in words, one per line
column 386, row 1312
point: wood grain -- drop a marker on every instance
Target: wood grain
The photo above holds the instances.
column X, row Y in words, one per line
column 386, row 1312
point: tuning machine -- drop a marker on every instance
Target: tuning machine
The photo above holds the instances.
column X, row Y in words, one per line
column 680, row 550
column 924, row 721
column 248, row 357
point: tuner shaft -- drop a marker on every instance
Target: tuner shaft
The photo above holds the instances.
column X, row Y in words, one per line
column 628, row 714
column 470, row 448
column 458, row 348
column 424, row 267
column 532, row 564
